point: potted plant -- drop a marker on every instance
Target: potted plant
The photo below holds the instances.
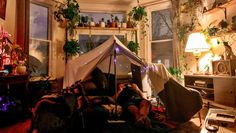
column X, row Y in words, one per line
column 133, row 46
column 138, row 14
column 91, row 22
column 68, row 12
column 124, row 24
column 71, row 48
column 117, row 21
column 113, row 23
column 19, row 59
column 102, row 23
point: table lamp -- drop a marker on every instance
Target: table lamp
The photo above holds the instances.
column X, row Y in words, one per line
column 196, row 44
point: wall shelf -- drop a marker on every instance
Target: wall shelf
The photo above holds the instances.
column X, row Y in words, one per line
column 106, row 28
column 221, row 7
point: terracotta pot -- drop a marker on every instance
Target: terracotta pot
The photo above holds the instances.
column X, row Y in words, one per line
column 113, row 24
column 129, row 24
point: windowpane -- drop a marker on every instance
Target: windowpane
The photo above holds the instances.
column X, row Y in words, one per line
column 162, row 52
column 38, row 21
column 39, row 44
column 39, row 57
column 96, row 40
column 161, row 24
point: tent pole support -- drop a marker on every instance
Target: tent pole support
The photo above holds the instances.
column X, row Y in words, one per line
column 109, row 71
column 115, row 61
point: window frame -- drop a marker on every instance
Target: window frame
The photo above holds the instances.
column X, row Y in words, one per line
column 158, row 6
column 49, row 32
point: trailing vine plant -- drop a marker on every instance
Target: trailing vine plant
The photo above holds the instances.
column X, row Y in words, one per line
column 139, row 16
column 188, row 8
column 68, row 12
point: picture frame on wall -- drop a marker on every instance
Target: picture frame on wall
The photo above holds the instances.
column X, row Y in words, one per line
column 3, row 4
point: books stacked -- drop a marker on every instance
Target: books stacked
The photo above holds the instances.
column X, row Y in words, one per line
column 200, row 83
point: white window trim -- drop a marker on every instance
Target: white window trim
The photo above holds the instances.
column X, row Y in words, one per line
column 158, row 6
column 51, row 50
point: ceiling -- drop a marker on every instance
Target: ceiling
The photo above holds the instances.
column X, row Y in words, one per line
column 119, row 2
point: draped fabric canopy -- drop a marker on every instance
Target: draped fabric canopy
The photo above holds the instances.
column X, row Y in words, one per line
column 102, row 57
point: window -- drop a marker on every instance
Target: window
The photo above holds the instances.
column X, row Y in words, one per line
column 96, row 40
column 40, row 43
column 161, row 44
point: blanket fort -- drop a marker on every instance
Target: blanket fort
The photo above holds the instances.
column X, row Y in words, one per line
column 101, row 56
column 113, row 53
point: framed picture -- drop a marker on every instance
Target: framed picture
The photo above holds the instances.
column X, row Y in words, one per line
column 3, row 4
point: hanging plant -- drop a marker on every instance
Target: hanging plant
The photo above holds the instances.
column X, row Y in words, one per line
column 133, row 46
column 68, row 12
column 139, row 14
column 71, row 48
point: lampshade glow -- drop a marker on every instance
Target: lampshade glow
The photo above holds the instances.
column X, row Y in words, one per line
column 196, row 43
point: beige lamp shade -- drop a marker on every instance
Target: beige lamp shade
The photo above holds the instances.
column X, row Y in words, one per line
column 196, row 43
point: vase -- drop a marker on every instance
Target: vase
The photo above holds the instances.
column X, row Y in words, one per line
column 21, row 69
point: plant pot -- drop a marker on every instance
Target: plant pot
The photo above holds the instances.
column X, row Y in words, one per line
column 102, row 24
column 21, row 69
column 113, row 24
column 124, row 25
column 138, row 17
column 92, row 24
column 129, row 24
column 118, row 24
